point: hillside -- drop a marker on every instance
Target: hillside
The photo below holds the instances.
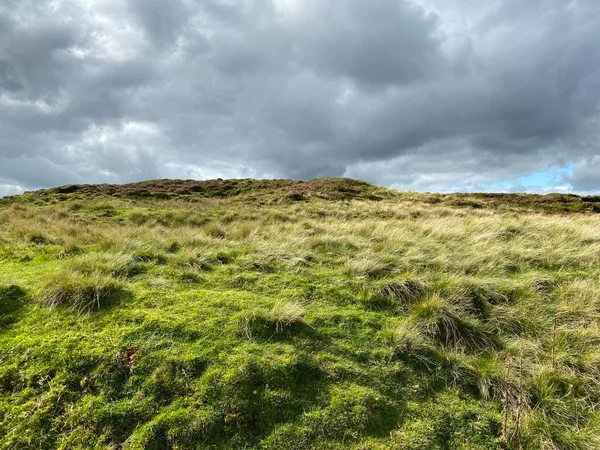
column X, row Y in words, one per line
column 274, row 191
column 281, row 314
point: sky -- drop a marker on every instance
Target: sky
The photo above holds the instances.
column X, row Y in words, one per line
column 420, row 95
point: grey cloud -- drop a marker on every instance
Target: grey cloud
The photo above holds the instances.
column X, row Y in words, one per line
column 444, row 93
column 585, row 175
column 8, row 78
column 36, row 171
column 162, row 21
column 30, row 48
column 377, row 43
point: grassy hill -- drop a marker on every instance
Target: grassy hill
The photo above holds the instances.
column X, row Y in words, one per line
column 328, row 314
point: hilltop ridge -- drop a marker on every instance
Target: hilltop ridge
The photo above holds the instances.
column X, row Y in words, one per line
column 335, row 189
column 325, row 188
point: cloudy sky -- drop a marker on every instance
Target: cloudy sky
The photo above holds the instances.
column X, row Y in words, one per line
column 438, row 95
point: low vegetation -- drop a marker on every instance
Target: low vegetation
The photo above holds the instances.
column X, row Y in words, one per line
column 85, row 293
column 329, row 314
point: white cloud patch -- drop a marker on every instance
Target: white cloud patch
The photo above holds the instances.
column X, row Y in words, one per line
column 10, row 189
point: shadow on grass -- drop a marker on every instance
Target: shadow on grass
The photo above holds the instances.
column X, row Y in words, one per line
column 12, row 301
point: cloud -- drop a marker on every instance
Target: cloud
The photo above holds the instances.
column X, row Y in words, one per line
column 10, row 189
column 429, row 95
column 585, row 175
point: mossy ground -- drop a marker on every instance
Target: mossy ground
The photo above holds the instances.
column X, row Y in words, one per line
column 286, row 315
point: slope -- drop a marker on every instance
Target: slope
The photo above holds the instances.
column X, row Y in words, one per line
column 295, row 315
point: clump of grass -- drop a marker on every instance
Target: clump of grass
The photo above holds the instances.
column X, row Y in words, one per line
column 265, row 263
column 286, row 313
column 109, row 264
column 446, row 322
column 410, row 343
column 512, row 321
column 407, row 291
column 148, row 255
column 215, row 231
column 488, row 369
column 71, row 250
column 369, row 267
column 578, row 302
column 267, row 322
column 439, row 318
column 552, row 423
column 244, row 281
column 407, row 335
column 394, row 297
column 38, row 238
column 173, row 246
column 332, row 245
column 84, row 293
column 192, row 259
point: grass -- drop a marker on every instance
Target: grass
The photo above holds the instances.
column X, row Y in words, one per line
column 84, row 293
column 297, row 315
column 285, row 314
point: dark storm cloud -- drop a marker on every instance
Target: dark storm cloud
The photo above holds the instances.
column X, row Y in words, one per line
column 430, row 94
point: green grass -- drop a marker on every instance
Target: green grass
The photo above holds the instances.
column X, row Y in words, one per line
column 84, row 293
column 329, row 314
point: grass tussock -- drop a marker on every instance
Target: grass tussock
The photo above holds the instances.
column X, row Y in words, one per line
column 267, row 322
column 406, row 292
column 369, row 267
column 84, row 293
column 286, row 313
column 297, row 315
column 448, row 324
column 579, row 301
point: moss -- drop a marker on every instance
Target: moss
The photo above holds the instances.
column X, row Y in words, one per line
column 449, row 421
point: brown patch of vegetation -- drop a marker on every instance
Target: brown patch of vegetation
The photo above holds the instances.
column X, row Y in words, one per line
column 128, row 357
column 326, row 188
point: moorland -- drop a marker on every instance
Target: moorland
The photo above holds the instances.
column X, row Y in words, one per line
column 325, row 314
